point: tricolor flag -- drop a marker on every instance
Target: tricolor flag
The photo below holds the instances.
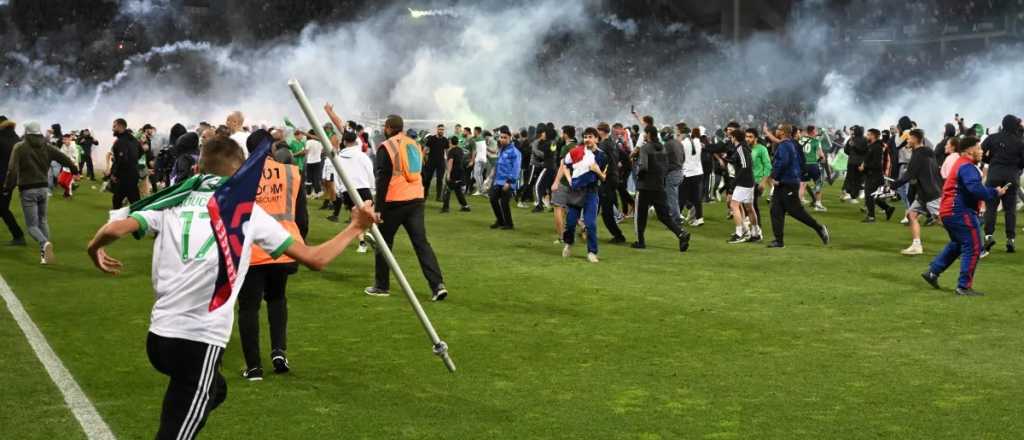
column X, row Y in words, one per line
column 230, row 208
column 579, row 160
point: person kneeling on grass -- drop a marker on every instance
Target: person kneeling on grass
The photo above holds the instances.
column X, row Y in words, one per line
column 962, row 193
column 192, row 316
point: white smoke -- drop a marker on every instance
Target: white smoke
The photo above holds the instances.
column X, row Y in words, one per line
column 983, row 90
column 498, row 64
column 628, row 26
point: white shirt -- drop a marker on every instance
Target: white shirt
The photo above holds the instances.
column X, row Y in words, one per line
column 691, row 157
column 358, row 167
column 314, row 149
column 481, row 151
column 241, row 137
column 185, row 264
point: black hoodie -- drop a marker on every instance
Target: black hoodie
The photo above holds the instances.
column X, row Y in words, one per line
column 176, row 131
column 940, row 149
column 1004, row 151
column 8, row 139
column 856, row 147
column 653, row 167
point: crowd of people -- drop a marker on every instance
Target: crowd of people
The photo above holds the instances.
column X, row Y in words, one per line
column 612, row 171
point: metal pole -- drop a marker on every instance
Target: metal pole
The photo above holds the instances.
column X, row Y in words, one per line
column 440, row 347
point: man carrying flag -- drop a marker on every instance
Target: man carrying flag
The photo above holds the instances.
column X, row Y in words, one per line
column 207, row 227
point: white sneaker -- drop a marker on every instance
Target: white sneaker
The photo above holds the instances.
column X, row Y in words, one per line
column 362, row 247
column 914, row 249
column 592, row 257
column 567, row 251
column 697, row 222
column 820, row 208
column 905, row 221
column 48, row 257
column 478, row 193
column 520, row 205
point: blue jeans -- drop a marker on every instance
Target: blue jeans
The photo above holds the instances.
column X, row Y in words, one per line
column 964, row 243
column 589, row 210
column 33, row 205
column 672, row 182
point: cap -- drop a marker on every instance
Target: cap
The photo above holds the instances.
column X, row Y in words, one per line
column 32, row 128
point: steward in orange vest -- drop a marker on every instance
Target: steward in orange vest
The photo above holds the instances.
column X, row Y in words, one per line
column 267, row 280
column 399, row 202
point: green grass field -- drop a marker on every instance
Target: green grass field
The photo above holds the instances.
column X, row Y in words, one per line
column 725, row 341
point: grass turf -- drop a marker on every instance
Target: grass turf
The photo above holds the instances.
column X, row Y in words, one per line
column 725, row 341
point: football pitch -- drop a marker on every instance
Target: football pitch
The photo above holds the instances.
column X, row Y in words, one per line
column 725, row 341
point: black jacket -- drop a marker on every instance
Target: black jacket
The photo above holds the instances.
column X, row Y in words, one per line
column 1005, row 150
column 436, row 147
column 653, row 167
column 742, row 162
column 126, row 151
column 923, row 174
column 8, row 138
column 856, row 150
column 611, row 152
column 674, row 153
column 875, row 159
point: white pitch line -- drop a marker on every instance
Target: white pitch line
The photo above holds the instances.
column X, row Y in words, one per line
column 93, row 425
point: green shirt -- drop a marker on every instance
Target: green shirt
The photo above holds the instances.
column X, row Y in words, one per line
column 811, row 146
column 762, row 163
column 296, row 146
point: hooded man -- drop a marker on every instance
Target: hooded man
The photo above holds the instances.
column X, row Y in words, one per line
column 856, row 150
column 28, row 170
column 8, row 139
column 1003, row 152
column 652, row 168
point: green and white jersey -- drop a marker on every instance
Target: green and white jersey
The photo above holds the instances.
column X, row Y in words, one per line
column 185, row 264
column 810, row 146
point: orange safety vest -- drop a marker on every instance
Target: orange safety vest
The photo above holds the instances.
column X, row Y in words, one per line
column 406, row 162
column 278, row 195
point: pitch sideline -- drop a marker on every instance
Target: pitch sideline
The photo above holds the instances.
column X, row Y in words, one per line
column 82, row 408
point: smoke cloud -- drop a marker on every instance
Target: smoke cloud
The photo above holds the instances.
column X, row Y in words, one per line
column 489, row 63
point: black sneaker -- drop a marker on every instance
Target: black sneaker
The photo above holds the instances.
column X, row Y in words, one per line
column 754, row 239
column 889, row 212
column 736, row 239
column 823, row 234
column 444, row 210
column 684, row 241
column 1010, row 246
column 440, row 293
column 617, row 240
column 253, row 374
column 989, row 244
column 537, row 209
column 465, row 209
column 326, row 205
column 775, row 244
column 280, row 362
column 496, row 225
column 20, row 241
column 508, row 227
column 968, row 292
column 638, row 245
column 332, row 218
column 930, row 221
column 375, row 291
column 931, row 278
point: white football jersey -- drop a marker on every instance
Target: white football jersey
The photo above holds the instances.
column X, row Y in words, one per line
column 185, row 264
